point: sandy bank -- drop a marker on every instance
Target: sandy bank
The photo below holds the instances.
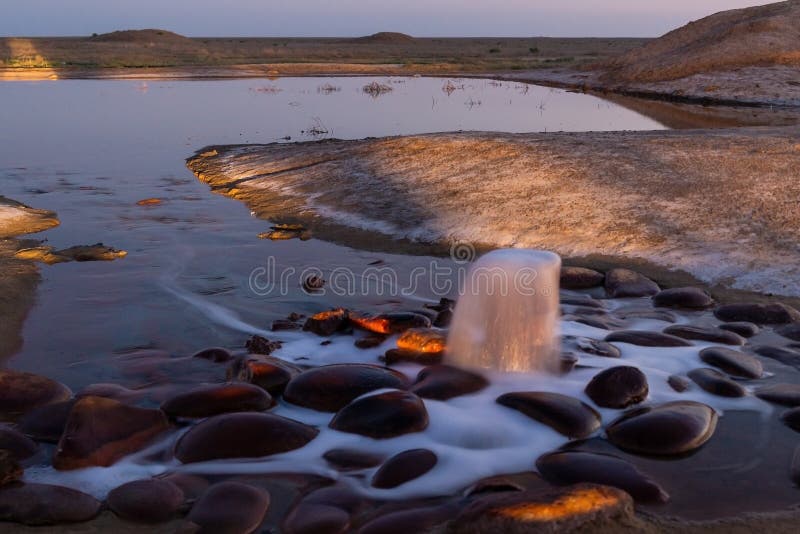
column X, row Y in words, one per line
column 720, row 204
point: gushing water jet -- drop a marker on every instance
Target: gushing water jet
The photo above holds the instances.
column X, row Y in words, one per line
column 507, row 317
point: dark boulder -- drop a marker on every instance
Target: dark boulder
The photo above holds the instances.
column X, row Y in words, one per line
column 146, row 501
column 784, row 394
column 716, row 383
column 382, row 416
column 683, row 297
column 566, row 415
column 774, row 313
column 43, row 504
column 646, row 338
column 443, row 382
column 733, row 362
column 618, row 387
column 699, row 333
column 22, row 392
column 404, row 467
column 229, row 508
column 205, row 401
column 580, row 278
column 622, row 283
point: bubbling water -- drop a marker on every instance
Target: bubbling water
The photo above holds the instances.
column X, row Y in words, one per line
column 507, row 317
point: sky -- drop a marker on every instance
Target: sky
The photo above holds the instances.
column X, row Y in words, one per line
column 333, row 18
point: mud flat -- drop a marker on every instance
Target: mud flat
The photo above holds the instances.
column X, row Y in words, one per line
column 719, row 204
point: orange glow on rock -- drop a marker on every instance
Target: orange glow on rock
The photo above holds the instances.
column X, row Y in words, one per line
column 581, row 501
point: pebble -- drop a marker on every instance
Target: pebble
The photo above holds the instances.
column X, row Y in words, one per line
column 711, row 335
column 444, row 382
column 597, row 347
column 716, row 383
column 743, row 328
column 146, row 501
column 733, row 362
column 679, row 383
column 22, row 392
column 205, row 401
column 404, row 467
column 328, row 322
column 391, row 323
column 618, row 387
column 775, row 313
column 580, row 278
column 692, row 298
column 566, row 415
column 269, row 373
column 382, row 416
column 780, row 354
column 17, row 444
column 624, row 283
column 44, row 504
column 784, row 394
column 229, row 508
column 352, row 459
column 646, row 338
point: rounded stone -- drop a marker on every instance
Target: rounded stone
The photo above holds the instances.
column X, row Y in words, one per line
column 391, row 323
column 596, row 347
column 580, row 278
column 443, row 382
column 742, row 328
column 566, row 415
column 242, row 435
column 22, row 392
column 18, row 445
column 679, row 383
column 404, row 467
column 269, row 373
column 618, row 387
column 780, row 354
column 426, row 340
column 646, row 338
column 44, row 504
column 758, row 313
column 425, row 519
column 716, row 383
column 312, row 518
column 382, row 416
column 573, row 467
column 214, row 354
column 624, row 283
column 784, row 394
column 230, row 507
column 146, row 501
column 733, row 362
column 683, row 297
column 352, row 459
column 711, row 335
column 669, row 429
column 329, row 388
column 328, row 322
column 394, row 356
column 206, row 401
column 790, row 331
column 47, row 422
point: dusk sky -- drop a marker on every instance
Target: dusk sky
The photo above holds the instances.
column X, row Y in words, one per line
column 569, row 18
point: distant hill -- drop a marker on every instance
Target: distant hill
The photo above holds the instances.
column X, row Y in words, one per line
column 141, row 36
column 757, row 36
column 385, row 38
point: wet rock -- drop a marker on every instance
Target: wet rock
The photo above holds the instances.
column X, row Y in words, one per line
column 716, row 383
column 645, row 338
column 282, row 325
column 790, row 331
column 10, row 470
column 205, row 401
column 370, row 341
column 18, row 445
column 442, row 305
column 775, row 313
column 242, row 435
column 791, row 418
column 587, row 311
column 422, row 340
column 269, row 373
column 46, row 423
column 579, row 508
column 683, row 297
column 382, row 416
column 699, row 333
column 603, row 323
column 230, row 508
column 43, row 504
column 262, row 345
column 100, row 431
column 443, row 319
column 146, row 501
column 654, row 315
column 351, row 459
column 780, row 354
column 412, row 520
column 96, row 252
column 443, row 382
column 404, row 467
column 111, row 391
column 583, row 301
column 733, row 362
column 391, row 323
column 192, row 486
column 573, row 467
column 310, row 518
column 313, row 284
column 214, row 354
column 622, row 283
column 567, row 363
column 669, row 429
column 597, row 347
column 328, row 322
column 505, row 483
column 329, row 388
column 618, row 387
column 395, row 356
column 679, row 383
column 743, row 328
column 784, row 394
column 566, row 415
column 580, row 278
column 149, row 202
column 22, row 392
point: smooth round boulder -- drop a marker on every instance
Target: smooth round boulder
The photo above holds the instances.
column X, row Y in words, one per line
column 757, row 313
column 242, row 435
column 352, row 459
column 784, row 394
column 566, row 415
column 267, row 372
column 573, row 467
column 100, row 431
column 733, row 362
column 45, row 504
column 312, row 518
column 404, row 467
column 716, row 383
column 624, row 283
column 146, row 501
column 444, row 382
column 791, row 418
column 780, row 354
column 646, row 313
column 699, row 333
column 618, row 387
column 679, row 383
column 580, row 278
column 692, row 298
column 328, row 322
column 426, row 340
column 743, row 328
column 382, row 416
column 669, row 429
column 646, row 338
column 18, row 445
column 230, row 508
column 595, row 347
column 394, row 356
column 390, row 323
column 602, row 323
column 789, row 331
column 206, row 401
column 330, row 387
column 214, row 354
column 22, row 392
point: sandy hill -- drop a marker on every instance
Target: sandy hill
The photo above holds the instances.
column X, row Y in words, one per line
column 142, row 36
column 386, row 38
column 758, row 36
